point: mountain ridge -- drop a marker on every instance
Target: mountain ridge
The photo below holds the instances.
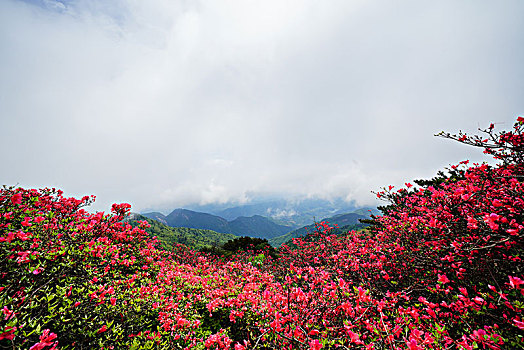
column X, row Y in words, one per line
column 295, row 211
column 256, row 226
column 344, row 222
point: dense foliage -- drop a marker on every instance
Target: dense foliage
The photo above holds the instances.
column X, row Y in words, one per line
column 441, row 269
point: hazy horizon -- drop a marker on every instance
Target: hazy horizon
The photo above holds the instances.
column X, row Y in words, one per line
column 165, row 103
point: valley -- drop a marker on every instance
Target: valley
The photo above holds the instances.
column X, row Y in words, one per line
column 201, row 229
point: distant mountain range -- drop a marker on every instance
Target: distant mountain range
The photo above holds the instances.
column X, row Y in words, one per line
column 296, row 212
column 345, row 222
column 253, row 226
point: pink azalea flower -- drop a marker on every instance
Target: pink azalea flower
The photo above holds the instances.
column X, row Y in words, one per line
column 315, row 345
column 443, row 279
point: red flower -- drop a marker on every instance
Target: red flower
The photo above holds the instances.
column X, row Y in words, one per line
column 412, row 345
column 7, row 313
column 17, row 198
column 496, row 203
column 9, row 335
column 518, row 323
column 315, row 345
column 26, row 222
column 515, row 282
column 443, row 279
column 45, row 340
column 102, row 329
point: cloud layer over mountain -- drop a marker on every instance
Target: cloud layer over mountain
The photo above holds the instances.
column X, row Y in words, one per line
column 162, row 103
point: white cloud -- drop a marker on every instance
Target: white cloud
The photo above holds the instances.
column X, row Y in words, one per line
column 165, row 102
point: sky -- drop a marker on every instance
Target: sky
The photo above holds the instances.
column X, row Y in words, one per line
column 163, row 103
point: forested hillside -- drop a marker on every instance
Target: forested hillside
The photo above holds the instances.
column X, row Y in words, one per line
column 343, row 223
column 257, row 226
column 169, row 237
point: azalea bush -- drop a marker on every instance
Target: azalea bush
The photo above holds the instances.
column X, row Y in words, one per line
column 69, row 277
column 441, row 269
